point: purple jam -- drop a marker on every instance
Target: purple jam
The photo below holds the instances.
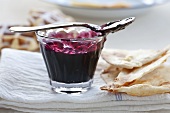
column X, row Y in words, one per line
column 69, row 60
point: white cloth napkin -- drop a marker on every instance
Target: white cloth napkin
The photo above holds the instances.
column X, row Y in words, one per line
column 24, row 86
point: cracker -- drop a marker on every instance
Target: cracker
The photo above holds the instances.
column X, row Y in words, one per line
column 21, row 41
column 132, row 58
column 38, row 17
column 155, row 82
column 127, row 76
column 110, row 73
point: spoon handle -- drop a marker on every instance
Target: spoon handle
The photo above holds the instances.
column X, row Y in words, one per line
column 51, row 26
column 106, row 28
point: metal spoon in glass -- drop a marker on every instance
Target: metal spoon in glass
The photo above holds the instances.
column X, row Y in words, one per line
column 104, row 29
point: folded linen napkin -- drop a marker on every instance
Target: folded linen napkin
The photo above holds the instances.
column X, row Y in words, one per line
column 24, row 86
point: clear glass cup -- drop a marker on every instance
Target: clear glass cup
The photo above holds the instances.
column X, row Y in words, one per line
column 70, row 62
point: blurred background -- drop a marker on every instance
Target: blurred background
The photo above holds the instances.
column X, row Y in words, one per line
column 151, row 29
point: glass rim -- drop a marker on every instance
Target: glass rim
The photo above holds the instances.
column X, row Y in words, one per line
column 67, row 39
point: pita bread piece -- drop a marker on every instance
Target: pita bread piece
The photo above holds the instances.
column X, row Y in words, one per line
column 131, row 59
column 110, row 73
column 126, row 77
column 156, row 82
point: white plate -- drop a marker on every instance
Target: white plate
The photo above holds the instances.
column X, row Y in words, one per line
column 102, row 10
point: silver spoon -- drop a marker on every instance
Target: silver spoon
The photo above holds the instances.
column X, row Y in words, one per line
column 105, row 28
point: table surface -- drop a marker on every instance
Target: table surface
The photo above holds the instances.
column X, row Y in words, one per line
column 149, row 31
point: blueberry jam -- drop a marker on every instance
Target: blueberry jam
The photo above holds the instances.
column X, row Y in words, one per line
column 71, row 57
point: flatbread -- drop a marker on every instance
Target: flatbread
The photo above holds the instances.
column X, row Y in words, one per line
column 110, row 73
column 126, row 77
column 155, row 82
column 132, row 58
